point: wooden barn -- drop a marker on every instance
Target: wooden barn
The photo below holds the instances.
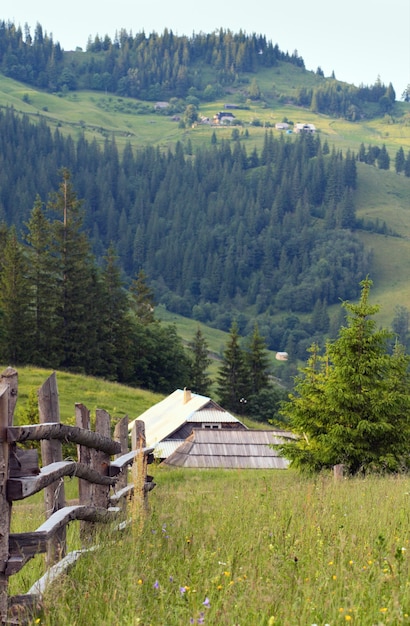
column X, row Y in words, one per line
column 169, row 422
column 229, row 449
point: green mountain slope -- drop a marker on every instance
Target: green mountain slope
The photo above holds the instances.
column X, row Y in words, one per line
column 381, row 195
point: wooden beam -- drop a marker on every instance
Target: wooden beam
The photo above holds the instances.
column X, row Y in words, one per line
column 62, row 432
column 20, row 488
column 30, row 543
column 127, row 459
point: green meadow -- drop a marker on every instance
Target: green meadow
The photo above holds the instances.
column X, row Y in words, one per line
column 248, row 548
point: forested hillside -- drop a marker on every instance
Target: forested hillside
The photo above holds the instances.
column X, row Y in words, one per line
column 217, row 232
column 230, row 229
column 165, row 66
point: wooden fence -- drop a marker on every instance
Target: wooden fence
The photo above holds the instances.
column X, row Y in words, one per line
column 103, row 485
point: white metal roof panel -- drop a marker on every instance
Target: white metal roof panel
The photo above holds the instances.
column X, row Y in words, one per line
column 165, row 417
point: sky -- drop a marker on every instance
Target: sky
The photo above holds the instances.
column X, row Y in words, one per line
column 360, row 40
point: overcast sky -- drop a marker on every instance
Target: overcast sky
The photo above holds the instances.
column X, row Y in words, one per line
column 357, row 39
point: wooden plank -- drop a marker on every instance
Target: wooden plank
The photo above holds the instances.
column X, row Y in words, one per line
column 63, row 432
column 40, row 586
column 20, row 488
column 23, row 462
column 30, row 543
column 122, row 493
column 128, row 459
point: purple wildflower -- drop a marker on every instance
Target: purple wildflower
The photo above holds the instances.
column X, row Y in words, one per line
column 156, row 585
column 206, row 602
column 182, row 590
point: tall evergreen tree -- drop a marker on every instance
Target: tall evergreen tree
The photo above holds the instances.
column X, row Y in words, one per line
column 42, row 277
column 77, row 324
column 15, row 296
column 142, row 299
column 257, row 362
column 200, row 380
column 232, row 379
column 351, row 405
column 116, row 326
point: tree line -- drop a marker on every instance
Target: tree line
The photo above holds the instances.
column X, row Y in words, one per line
column 342, row 100
column 150, row 67
column 164, row 66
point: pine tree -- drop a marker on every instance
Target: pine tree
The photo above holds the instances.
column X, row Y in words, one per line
column 232, row 380
column 16, row 338
column 42, row 278
column 77, row 311
column 399, row 161
column 116, row 327
column 200, row 380
column 257, row 362
column 351, row 405
column 142, row 301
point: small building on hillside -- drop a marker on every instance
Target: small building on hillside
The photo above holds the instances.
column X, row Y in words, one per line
column 231, row 449
column 281, row 126
column 305, row 128
column 169, row 422
column 223, row 117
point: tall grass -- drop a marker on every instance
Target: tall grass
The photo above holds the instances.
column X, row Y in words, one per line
column 249, row 548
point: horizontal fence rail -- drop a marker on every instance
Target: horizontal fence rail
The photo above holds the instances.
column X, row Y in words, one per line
column 102, row 484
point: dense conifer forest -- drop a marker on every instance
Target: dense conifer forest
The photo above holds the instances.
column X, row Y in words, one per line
column 216, row 232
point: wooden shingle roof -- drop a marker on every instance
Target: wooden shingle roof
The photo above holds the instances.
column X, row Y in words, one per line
column 248, row 449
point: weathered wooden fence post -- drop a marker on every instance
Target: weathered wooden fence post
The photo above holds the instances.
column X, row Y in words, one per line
column 52, row 452
column 121, row 435
column 100, row 460
column 82, row 420
column 8, row 398
column 139, row 468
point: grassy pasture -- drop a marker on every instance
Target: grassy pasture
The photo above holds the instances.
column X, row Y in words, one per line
column 241, row 548
column 94, row 393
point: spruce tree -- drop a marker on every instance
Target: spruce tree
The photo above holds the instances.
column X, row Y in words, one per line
column 77, row 312
column 142, row 299
column 232, row 379
column 257, row 362
column 351, row 405
column 200, row 380
column 116, row 327
column 42, row 277
column 16, row 336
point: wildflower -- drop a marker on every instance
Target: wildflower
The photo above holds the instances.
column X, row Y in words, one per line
column 227, row 573
column 219, row 587
column 139, row 582
column 156, row 585
column 201, row 619
column 348, row 618
column 171, row 579
column 383, row 609
column 182, row 590
column 206, row 602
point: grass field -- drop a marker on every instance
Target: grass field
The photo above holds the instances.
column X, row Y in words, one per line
column 249, row 548
column 118, row 400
